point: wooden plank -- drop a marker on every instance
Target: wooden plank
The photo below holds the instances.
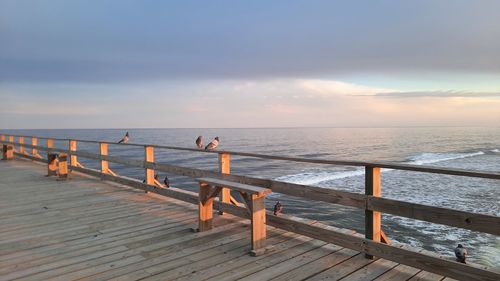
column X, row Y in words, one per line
column 73, row 160
column 103, row 147
column 236, row 186
column 203, row 260
column 305, row 271
column 342, row 269
column 21, row 145
column 399, row 273
column 427, row 276
column 258, row 220
column 7, row 152
column 371, row 271
column 205, row 208
column 373, row 219
column 477, row 222
column 225, row 168
column 34, row 151
column 149, row 156
column 292, row 263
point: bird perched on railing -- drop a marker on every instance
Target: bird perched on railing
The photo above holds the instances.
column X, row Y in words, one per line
column 213, row 144
column 460, row 253
column 124, row 139
column 277, row 208
column 199, row 142
column 166, row 182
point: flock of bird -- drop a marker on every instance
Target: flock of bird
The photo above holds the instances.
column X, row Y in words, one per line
column 460, row 251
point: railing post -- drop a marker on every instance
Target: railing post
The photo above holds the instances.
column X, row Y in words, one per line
column 104, row 163
column 72, row 158
column 149, row 156
column 2, row 138
column 63, row 166
column 225, row 168
column 373, row 219
column 7, row 152
column 50, row 143
column 11, row 140
column 52, row 163
column 21, row 145
column 34, row 151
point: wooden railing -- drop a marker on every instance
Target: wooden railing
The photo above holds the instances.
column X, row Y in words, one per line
column 374, row 242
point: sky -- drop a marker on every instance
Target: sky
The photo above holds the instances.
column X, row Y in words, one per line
column 198, row 64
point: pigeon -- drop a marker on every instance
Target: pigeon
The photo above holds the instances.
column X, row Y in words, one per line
column 277, row 208
column 460, row 253
column 212, row 145
column 125, row 139
column 166, row 182
column 199, row 142
column 157, row 177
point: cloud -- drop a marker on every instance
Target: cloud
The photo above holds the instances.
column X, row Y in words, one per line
column 438, row 94
column 121, row 41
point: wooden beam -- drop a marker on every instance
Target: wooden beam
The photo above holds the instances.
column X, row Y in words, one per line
column 11, row 140
column 205, row 208
column 21, row 145
column 34, row 150
column 50, row 144
column 149, row 157
column 52, row 165
column 63, row 166
column 384, row 238
column 73, row 160
column 258, row 210
column 372, row 218
column 104, row 151
column 462, row 219
column 225, row 168
column 7, row 152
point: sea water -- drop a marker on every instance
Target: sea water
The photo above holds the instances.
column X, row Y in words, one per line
column 464, row 148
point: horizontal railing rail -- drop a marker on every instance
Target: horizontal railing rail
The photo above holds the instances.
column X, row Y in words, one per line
column 380, row 164
column 371, row 201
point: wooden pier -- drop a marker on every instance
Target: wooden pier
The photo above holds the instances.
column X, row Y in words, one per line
column 100, row 226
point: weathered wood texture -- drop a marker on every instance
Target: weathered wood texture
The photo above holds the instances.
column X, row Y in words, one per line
column 84, row 229
column 341, row 237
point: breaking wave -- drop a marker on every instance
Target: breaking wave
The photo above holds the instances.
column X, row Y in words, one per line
column 316, row 177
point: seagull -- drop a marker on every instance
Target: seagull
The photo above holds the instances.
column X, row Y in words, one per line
column 213, row 144
column 166, row 182
column 125, row 139
column 460, row 253
column 277, row 208
column 199, row 142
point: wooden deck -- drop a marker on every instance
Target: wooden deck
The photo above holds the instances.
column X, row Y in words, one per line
column 86, row 229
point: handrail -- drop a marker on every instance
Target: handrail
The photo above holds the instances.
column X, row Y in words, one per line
column 371, row 201
column 340, row 162
column 467, row 220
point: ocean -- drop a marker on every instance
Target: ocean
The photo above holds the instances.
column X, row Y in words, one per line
column 457, row 147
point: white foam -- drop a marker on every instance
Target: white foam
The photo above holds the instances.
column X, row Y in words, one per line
column 310, row 178
column 495, row 150
column 431, row 157
column 316, row 177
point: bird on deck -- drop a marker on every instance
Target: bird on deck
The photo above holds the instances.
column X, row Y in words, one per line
column 199, row 142
column 166, row 182
column 460, row 253
column 124, row 139
column 213, row 144
column 277, row 208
